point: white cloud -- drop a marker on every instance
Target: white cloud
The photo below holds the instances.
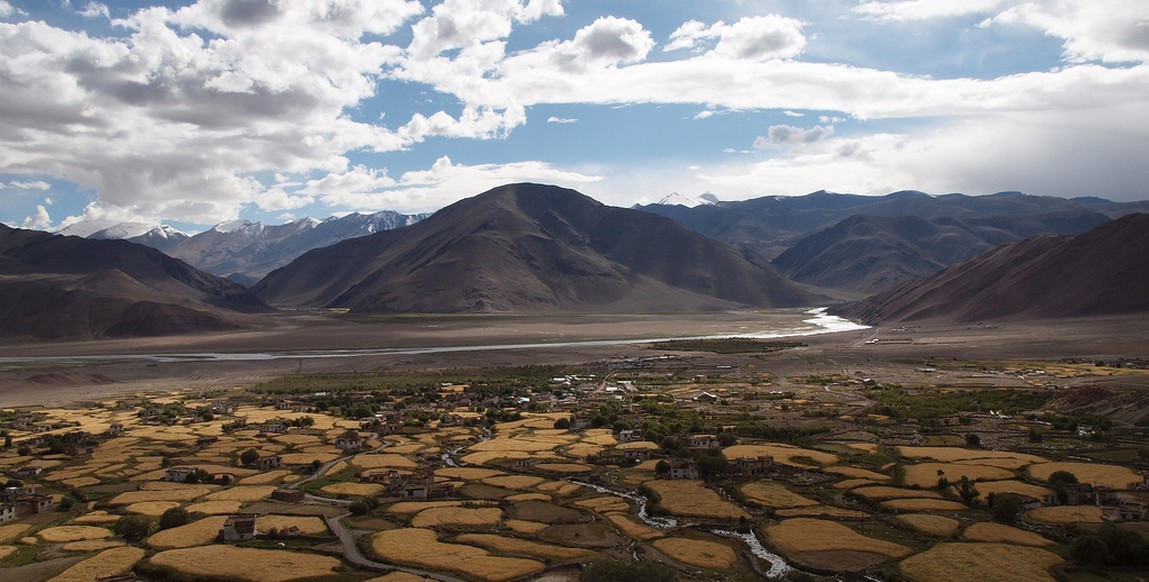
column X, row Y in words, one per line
column 561, row 120
column 910, row 10
column 789, row 113
column 6, row 9
column 1114, row 31
column 95, row 10
column 40, row 220
column 755, row 37
column 788, row 134
column 457, row 24
column 20, row 185
column 443, row 183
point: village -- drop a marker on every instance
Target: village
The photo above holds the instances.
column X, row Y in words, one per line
column 720, row 471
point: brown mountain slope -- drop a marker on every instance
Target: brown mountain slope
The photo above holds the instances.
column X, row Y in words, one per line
column 1102, row 271
column 59, row 287
column 528, row 247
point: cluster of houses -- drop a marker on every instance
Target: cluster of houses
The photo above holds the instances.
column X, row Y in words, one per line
column 21, row 501
column 419, row 485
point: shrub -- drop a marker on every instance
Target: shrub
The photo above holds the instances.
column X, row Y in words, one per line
column 133, row 528
column 1005, row 507
column 174, row 517
column 616, row 571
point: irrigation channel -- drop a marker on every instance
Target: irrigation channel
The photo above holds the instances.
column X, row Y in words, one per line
column 778, row 565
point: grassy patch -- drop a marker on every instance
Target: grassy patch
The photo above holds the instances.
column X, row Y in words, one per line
column 731, row 345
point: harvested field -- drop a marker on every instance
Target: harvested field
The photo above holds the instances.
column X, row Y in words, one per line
column 6, row 551
column 264, row 478
column 306, row 458
column 775, row 495
column 923, row 505
column 980, row 561
column 785, row 454
column 954, row 454
column 999, row 533
column 528, row 548
column 691, row 499
column 458, row 516
column 181, row 494
column 985, row 488
column 638, row 446
column 564, row 468
column 595, row 535
column 151, row 508
column 484, row 457
column 403, row 507
column 527, row 497
column 107, row 563
column 1065, row 514
column 249, row 564
column 73, row 533
column 884, row 492
column 857, row 473
column 398, row 577
column 852, row 483
column 243, row 493
column 197, row 533
column 514, row 481
column 421, row 547
column 214, row 507
column 560, row 488
column 935, row 525
column 698, row 553
column 795, row 536
column 97, row 517
column 603, row 504
column 85, row 546
column 304, row 525
column 822, row 511
column 353, row 489
column 383, row 461
column 926, row 474
column 81, row 482
column 407, row 449
column 632, row 527
column 467, row 473
column 1113, row 476
column 524, row 526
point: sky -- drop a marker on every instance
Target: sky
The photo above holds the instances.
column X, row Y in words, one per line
column 193, row 113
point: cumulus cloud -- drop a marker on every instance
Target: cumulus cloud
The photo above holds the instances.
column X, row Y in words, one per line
column 441, row 184
column 1114, row 31
column 95, row 10
column 21, row 185
column 6, row 9
column 39, row 220
column 789, row 135
column 755, row 37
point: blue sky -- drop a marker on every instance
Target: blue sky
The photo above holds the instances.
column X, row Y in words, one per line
column 198, row 112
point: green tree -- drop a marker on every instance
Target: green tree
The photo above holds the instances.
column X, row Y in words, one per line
column 1005, row 507
column 359, row 507
column 133, row 528
column 662, row 467
column 727, row 439
column 1090, row 550
column 248, row 457
column 174, row 517
column 967, row 491
column 563, row 423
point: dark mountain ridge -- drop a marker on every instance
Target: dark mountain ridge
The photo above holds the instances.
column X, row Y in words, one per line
column 1100, row 272
column 529, row 247
column 64, row 286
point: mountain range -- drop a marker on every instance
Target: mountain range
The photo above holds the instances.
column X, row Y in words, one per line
column 870, row 243
column 528, row 247
column 1100, row 272
column 245, row 251
column 64, row 286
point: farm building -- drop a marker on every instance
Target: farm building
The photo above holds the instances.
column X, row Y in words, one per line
column 349, row 441
column 239, row 527
column 288, row 495
column 682, row 469
column 178, row 474
column 747, row 466
column 267, row 462
column 702, row 441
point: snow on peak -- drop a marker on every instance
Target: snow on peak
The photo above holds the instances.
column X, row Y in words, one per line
column 676, row 199
column 234, row 225
column 107, row 229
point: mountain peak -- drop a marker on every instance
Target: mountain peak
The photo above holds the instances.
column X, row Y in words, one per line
column 676, row 199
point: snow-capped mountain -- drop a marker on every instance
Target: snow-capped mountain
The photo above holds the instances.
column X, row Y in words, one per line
column 676, row 199
column 245, row 251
